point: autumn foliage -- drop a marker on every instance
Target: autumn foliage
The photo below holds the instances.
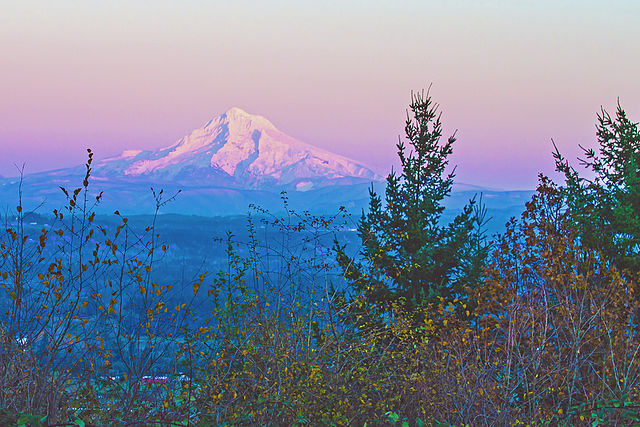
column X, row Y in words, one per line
column 544, row 331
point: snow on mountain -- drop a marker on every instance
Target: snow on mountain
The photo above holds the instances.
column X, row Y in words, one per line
column 239, row 149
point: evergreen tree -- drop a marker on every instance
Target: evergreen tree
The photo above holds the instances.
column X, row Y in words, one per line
column 408, row 255
column 606, row 208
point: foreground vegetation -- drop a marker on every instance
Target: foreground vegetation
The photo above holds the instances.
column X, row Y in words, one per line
column 425, row 324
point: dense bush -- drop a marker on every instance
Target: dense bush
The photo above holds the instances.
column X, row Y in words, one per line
column 544, row 332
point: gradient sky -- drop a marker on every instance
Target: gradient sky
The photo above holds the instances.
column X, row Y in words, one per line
column 509, row 75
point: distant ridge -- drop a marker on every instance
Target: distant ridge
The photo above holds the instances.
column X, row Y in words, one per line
column 233, row 160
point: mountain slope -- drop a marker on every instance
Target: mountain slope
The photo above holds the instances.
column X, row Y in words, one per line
column 238, row 149
column 234, row 160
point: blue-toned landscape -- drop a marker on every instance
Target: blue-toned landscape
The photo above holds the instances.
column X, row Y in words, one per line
column 260, row 213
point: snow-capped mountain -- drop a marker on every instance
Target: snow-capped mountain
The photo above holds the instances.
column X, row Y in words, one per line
column 234, row 160
column 242, row 150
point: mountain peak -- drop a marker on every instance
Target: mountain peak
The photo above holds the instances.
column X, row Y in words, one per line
column 237, row 112
column 236, row 115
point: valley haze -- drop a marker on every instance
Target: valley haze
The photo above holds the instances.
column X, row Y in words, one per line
column 234, row 160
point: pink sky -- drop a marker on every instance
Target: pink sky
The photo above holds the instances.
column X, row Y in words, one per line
column 141, row 74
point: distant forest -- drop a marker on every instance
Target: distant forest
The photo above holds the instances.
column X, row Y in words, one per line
column 410, row 314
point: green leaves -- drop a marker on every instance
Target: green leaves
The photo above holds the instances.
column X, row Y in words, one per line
column 392, row 416
column 31, row 420
column 407, row 250
column 606, row 205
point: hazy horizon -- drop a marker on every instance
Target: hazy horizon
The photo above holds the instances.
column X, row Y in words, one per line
column 140, row 75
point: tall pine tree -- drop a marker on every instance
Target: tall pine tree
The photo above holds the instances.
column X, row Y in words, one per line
column 606, row 208
column 408, row 255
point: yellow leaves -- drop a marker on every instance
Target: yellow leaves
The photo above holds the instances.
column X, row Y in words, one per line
column 19, row 208
column 314, row 372
column 159, row 306
column 142, row 289
column 196, row 286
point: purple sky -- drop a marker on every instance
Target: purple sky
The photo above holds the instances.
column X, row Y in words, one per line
column 140, row 74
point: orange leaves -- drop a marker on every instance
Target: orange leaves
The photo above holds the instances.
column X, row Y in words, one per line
column 196, row 286
column 43, row 239
column 110, row 307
